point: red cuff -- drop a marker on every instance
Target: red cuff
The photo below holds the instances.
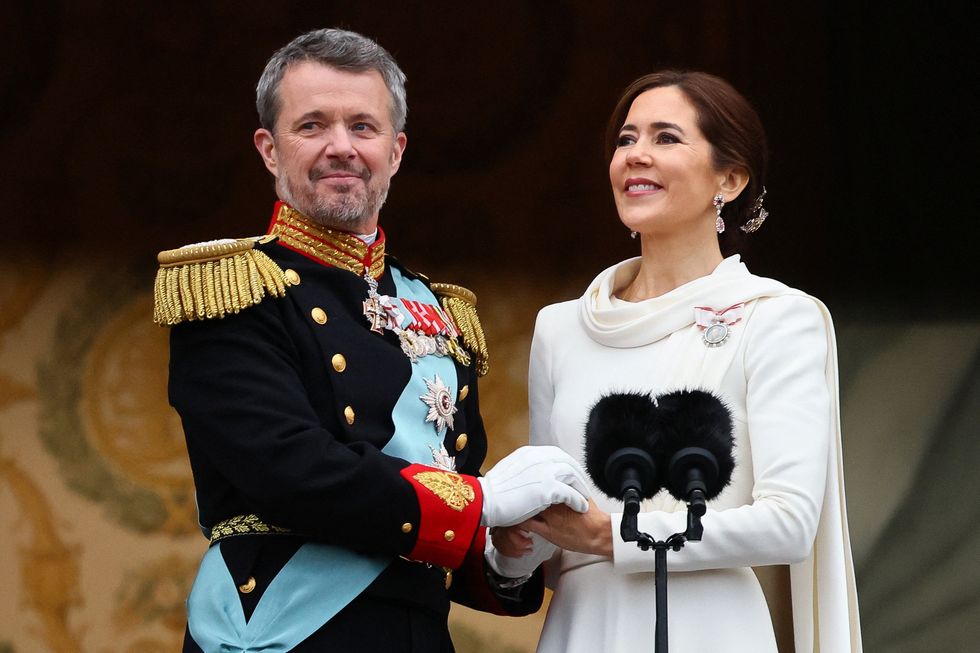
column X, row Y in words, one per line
column 450, row 507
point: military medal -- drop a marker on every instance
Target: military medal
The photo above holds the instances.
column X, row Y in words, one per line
column 716, row 325
column 440, row 402
column 375, row 313
column 431, row 331
column 716, row 334
column 442, row 460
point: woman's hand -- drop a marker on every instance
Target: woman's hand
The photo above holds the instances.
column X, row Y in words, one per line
column 514, row 552
column 589, row 532
column 512, row 541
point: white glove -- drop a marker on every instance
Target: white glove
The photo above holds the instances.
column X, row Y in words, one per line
column 509, row 567
column 528, row 481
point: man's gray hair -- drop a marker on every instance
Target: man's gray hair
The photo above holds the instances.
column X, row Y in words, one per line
column 338, row 49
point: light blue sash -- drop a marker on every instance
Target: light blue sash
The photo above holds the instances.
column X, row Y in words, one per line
column 319, row 580
column 316, row 583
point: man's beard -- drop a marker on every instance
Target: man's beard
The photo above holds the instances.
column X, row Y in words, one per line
column 346, row 208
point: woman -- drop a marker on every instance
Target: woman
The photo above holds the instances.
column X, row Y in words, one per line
column 687, row 171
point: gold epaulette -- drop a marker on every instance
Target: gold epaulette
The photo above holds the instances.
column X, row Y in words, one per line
column 211, row 280
column 460, row 303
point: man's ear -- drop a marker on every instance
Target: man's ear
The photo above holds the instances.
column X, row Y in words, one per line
column 397, row 150
column 265, row 143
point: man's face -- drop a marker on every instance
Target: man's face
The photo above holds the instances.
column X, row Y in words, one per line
column 334, row 149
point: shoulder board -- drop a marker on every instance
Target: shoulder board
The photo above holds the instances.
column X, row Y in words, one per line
column 460, row 303
column 210, row 280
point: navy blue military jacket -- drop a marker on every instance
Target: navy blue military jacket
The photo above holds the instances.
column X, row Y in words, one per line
column 286, row 406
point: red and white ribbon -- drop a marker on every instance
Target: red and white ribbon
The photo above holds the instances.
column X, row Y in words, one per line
column 705, row 316
column 429, row 319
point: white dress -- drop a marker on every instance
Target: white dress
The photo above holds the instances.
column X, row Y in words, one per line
column 785, row 503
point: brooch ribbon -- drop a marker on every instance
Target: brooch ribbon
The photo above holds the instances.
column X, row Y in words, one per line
column 716, row 324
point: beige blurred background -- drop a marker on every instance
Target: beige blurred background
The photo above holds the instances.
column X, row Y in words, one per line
column 126, row 129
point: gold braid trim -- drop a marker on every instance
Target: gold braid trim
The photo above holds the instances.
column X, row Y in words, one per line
column 336, row 258
column 243, row 525
column 335, row 248
column 209, row 281
column 460, row 303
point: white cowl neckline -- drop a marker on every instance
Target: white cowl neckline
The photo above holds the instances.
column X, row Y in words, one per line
column 616, row 323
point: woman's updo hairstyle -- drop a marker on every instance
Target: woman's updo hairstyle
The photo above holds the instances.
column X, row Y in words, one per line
column 729, row 123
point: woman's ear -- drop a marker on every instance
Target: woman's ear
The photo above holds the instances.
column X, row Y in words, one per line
column 734, row 182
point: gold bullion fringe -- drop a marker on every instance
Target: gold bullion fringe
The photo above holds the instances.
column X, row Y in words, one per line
column 206, row 282
column 243, row 525
column 460, row 303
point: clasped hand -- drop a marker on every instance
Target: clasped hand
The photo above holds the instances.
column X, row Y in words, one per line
column 559, row 527
column 536, row 500
column 530, row 480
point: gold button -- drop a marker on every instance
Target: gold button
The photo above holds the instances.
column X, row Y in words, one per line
column 449, row 578
column 349, row 414
column 292, row 277
column 406, row 528
column 461, row 442
column 465, row 390
column 450, row 536
column 339, row 362
column 319, row 315
column 248, row 586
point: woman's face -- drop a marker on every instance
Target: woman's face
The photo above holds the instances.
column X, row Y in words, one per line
column 662, row 175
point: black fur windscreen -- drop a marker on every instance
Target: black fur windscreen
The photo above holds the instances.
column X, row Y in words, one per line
column 617, row 421
column 696, row 418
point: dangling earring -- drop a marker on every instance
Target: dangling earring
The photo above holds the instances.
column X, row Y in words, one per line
column 719, row 202
column 633, row 235
column 758, row 214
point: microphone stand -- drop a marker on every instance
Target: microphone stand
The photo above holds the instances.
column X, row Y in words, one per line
column 629, row 531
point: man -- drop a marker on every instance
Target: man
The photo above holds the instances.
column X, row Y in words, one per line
column 329, row 398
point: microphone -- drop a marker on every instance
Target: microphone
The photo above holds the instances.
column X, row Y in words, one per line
column 695, row 433
column 635, row 446
column 682, row 441
column 621, row 445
